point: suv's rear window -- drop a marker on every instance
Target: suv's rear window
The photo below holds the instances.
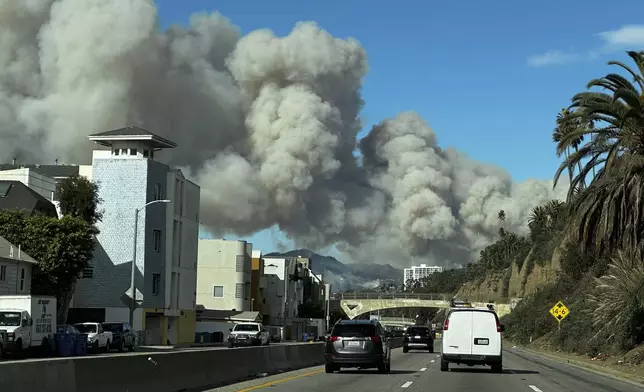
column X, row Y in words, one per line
column 354, row 330
column 418, row 331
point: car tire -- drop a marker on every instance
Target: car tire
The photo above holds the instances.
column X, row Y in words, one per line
column 382, row 368
column 405, row 349
column 444, row 366
column 328, row 368
column 497, row 368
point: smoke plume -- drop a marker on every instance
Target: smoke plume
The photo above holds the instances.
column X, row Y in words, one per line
column 266, row 125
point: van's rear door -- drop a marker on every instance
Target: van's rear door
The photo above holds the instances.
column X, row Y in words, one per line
column 458, row 338
column 485, row 338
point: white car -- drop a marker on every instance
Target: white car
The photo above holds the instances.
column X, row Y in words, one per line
column 97, row 338
column 246, row 334
column 472, row 336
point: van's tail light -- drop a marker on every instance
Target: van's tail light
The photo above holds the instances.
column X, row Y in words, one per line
column 498, row 326
column 446, row 325
column 333, row 338
column 376, row 339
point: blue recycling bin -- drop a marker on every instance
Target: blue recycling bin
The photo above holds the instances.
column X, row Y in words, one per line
column 65, row 344
column 80, row 344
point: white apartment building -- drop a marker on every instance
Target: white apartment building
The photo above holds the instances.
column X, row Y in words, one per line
column 224, row 274
column 167, row 240
column 419, row 272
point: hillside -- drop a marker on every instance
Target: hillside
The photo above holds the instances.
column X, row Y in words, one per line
column 347, row 276
column 586, row 251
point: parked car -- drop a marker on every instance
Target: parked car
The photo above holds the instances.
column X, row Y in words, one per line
column 122, row 335
column 358, row 343
column 418, row 337
column 472, row 336
column 245, row 334
column 97, row 338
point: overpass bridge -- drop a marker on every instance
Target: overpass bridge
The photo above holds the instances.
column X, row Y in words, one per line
column 355, row 304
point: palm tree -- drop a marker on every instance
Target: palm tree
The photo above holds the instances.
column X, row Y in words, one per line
column 619, row 295
column 614, row 122
column 501, row 218
column 566, row 124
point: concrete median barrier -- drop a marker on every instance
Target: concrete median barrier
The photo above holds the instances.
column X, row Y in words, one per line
column 158, row 372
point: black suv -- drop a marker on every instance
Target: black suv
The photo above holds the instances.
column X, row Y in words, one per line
column 357, row 344
column 418, row 337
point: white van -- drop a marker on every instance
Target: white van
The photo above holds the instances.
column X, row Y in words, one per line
column 472, row 336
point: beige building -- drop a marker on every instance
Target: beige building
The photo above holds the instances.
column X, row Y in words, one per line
column 224, row 274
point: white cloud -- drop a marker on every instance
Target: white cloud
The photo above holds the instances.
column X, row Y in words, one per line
column 552, row 57
column 629, row 37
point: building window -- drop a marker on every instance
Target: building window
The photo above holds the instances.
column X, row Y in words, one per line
column 156, row 238
column 239, row 290
column 157, row 192
column 133, row 151
column 146, row 153
column 156, row 283
column 218, row 291
column 3, row 273
column 239, row 267
column 22, row 279
column 88, row 273
column 116, row 151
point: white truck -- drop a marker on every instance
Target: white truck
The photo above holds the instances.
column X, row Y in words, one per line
column 247, row 334
column 27, row 322
column 97, row 337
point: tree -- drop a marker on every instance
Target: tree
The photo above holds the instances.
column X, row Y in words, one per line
column 62, row 247
column 614, row 123
column 78, row 197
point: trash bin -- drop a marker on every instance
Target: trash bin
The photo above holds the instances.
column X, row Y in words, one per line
column 65, row 344
column 80, row 344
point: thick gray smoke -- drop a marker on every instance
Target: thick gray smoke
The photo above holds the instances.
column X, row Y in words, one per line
column 266, row 125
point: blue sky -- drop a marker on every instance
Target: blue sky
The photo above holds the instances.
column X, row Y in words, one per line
column 489, row 77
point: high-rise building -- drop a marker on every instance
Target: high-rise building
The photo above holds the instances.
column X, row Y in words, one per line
column 414, row 273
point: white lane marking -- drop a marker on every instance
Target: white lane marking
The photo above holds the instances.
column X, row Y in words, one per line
column 408, row 383
column 432, row 361
column 423, row 369
column 535, row 389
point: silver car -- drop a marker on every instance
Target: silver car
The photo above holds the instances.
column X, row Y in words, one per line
column 358, row 343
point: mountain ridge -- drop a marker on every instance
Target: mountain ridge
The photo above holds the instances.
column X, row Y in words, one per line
column 346, row 276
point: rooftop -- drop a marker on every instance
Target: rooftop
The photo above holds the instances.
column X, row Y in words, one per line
column 9, row 251
column 131, row 133
column 14, row 195
column 52, row 171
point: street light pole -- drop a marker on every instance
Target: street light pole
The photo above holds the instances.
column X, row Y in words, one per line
column 133, row 272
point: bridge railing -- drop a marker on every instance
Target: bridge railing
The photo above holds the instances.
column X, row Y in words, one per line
column 423, row 296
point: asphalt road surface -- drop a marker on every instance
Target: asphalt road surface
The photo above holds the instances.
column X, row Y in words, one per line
column 420, row 371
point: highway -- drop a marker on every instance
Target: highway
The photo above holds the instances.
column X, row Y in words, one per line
column 420, row 371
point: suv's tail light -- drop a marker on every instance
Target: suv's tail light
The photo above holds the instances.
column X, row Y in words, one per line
column 333, row 338
column 446, row 325
column 376, row 339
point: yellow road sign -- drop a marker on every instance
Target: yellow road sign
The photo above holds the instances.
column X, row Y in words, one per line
column 559, row 311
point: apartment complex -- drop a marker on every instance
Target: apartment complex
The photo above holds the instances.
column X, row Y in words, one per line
column 130, row 178
column 414, row 273
column 224, row 274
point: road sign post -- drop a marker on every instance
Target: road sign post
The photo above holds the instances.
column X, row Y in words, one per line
column 559, row 312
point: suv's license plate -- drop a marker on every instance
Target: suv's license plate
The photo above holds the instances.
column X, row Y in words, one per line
column 416, row 337
column 353, row 343
column 482, row 342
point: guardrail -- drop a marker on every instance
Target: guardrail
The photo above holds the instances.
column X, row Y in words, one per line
column 423, row 296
